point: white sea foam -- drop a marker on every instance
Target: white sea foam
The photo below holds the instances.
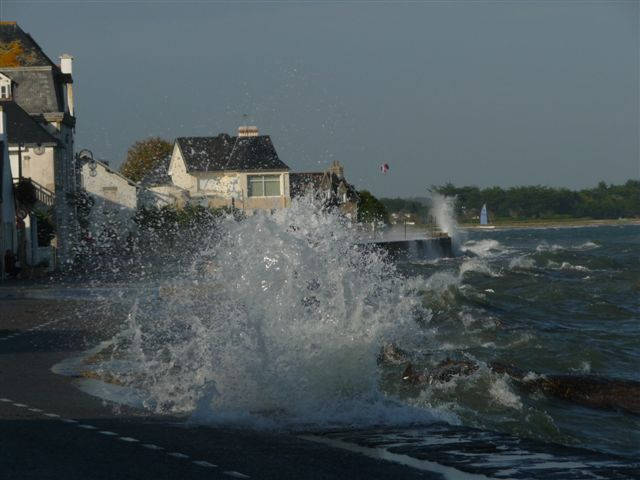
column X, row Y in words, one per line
column 566, row 266
column 477, row 265
column 587, row 246
column 483, row 248
column 577, row 268
column 502, row 394
column 531, row 376
column 287, row 327
column 440, row 282
column 443, row 211
column 522, row 263
column 546, row 247
column 585, row 367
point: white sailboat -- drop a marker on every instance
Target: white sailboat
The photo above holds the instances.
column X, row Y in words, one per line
column 484, row 218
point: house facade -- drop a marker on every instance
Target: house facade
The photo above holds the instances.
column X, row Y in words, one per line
column 115, row 198
column 8, row 234
column 157, row 189
column 242, row 171
column 38, row 97
column 330, row 186
column 31, row 165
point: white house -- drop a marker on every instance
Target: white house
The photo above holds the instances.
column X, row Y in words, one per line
column 8, row 238
column 38, row 98
column 114, row 195
column 242, row 171
column 157, row 189
column 32, row 162
column 330, row 185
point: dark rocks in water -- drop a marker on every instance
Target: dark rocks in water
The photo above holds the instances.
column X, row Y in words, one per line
column 412, row 376
column 441, row 373
column 510, row 370
column 593, row 391
column 391, row 354
column 587, row 390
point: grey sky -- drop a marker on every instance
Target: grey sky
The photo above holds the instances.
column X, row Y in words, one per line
column 485, row 93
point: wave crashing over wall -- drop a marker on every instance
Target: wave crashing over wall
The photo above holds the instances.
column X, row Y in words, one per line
column 279, row 320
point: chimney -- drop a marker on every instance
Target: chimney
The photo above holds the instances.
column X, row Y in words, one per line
column 66, row 66
column 66, row 63
column 337, row 169
column 247, row 131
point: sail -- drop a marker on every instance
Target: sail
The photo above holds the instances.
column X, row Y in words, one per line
column 483, row 215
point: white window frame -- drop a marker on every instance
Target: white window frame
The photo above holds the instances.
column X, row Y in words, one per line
column 5, row 84
column 263, row 177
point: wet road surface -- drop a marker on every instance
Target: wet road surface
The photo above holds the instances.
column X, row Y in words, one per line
column 52, row 430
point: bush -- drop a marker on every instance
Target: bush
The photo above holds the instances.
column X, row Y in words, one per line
column 25, row 193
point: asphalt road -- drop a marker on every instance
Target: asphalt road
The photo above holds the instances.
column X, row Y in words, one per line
column 51, row 430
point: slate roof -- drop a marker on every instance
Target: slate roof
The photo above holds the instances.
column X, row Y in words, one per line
column 210, row 154
column 36, row 90
column 301, row 182
column 22, row 128
column 19, row 49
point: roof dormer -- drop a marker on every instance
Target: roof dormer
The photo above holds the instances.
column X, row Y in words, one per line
column 5, row 87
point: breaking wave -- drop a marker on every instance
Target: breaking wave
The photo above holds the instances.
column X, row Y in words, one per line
column 477, row 265
column 483, row 248
column 546, row 247
column 522, row 263
column 566, row 266
column 278, row 321
column 284, row 326
column 442, row 210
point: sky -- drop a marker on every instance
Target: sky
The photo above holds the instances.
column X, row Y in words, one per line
column 470, row 92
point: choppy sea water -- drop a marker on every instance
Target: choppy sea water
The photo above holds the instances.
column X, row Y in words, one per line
column 279, row 320
column 553, row 301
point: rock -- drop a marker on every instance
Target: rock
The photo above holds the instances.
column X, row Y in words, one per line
column 441, row 373
column 412, row 376
column 587, row 390
column 391, row 354
column 446, row 370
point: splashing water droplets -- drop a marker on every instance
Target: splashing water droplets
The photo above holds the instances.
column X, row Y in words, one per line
column 287, row 323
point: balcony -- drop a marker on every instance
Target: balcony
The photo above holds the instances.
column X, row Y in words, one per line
column 40, row 193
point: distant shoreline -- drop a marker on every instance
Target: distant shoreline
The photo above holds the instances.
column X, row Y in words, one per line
column 553, row 223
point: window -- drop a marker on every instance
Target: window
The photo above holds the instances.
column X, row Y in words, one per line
column 264, row 185
column 5, row 87
column 110, row 193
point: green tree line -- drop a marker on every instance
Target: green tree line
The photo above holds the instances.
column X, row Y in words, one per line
column 532, row 202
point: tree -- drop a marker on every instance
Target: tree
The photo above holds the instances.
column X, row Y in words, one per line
column 527, row 202
column 143, row 156
column 370, row 209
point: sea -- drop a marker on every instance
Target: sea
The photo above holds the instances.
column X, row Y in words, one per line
column 278, row 322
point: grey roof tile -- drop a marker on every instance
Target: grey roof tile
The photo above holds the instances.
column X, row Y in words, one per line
column 210, row 154
column 19, row 49
column 301, row 183
column 22, row 128
column 36, row 90
column 38, row 81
